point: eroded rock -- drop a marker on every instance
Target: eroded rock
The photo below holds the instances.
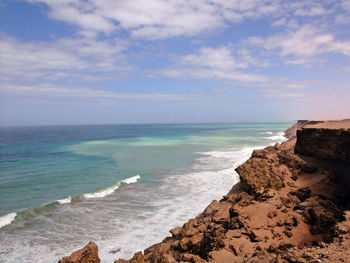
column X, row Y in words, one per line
column 88, row 254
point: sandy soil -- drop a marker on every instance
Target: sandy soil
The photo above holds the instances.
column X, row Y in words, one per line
column 343, row 124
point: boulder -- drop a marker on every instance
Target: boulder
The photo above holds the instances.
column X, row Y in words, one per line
column 88, row 254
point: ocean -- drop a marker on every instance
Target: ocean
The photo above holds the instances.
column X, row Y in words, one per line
column 122, row 186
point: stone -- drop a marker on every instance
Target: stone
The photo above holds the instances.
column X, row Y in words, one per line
column 175, row 231
column 88, row 254
column 302, row 193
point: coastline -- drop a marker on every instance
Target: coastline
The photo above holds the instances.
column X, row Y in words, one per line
column 137, row 215
column 293, row 198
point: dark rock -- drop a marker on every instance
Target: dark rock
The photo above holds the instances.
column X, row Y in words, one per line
column 324, row 143
column 288, row 233
column 310, row 169
column 302, row 193
column 114, row 251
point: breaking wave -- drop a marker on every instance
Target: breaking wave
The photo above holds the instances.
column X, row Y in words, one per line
column 32, row 212
column 110, row 189
column 7, row 219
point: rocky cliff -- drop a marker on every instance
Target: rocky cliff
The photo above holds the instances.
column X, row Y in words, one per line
column 288, row 207
column 324, row 141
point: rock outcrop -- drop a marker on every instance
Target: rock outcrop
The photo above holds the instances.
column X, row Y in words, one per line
column 88, row 254
column 273, row 165
column 288, row 208
column 324, row 142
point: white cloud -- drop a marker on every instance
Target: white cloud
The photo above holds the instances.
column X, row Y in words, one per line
column 298, row 61
column 156, row 18
column 301, row 45
column 345, row 5
column 233, row 77
column 220, row 58
column 284, row 22
column 312, row 11
column 344, row 16
column 235, row 68
column 50, row 91
column 342, row 19
column 277, row 93
column 340, row 46
column 303, row 42
column 89, row 58
column 160, row 19
column 73, row 58
column 217, row 63
column 280, row 22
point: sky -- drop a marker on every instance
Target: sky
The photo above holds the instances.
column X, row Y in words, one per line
column 173, row 61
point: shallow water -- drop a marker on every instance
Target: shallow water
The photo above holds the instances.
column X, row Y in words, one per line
column 123, row 186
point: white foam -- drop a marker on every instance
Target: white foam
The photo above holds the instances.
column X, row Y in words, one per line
column 109, row 190
column 224, row 159
column 270, row 133
column 278, row 137
column 174, row 200
column 103, row 192
column 65, row 200
column 7, row 219
column 131, row 180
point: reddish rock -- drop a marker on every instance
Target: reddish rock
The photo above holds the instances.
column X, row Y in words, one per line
column 88, row 254
column 175, row 231
column 137, row 258
column 269, row 168
column 223, row 213
column 222, row 256
column 272, row 214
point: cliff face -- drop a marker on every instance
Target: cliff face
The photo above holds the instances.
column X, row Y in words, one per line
column 324, row 143
column 283, row 203
column 328, row 142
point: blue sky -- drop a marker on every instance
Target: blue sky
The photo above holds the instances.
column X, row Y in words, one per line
column 164, row 61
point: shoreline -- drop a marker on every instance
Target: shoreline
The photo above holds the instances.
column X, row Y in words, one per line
column 149, row 206
column 292, row 193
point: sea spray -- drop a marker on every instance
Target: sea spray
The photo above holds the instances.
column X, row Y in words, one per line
column 277, row 137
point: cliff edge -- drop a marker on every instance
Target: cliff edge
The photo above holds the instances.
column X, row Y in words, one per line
column 291, row 205
column 325, row 140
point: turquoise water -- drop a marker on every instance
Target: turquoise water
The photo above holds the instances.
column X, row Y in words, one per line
column 109, row 178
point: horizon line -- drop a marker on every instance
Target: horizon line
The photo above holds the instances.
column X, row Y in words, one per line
column 144, row 123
